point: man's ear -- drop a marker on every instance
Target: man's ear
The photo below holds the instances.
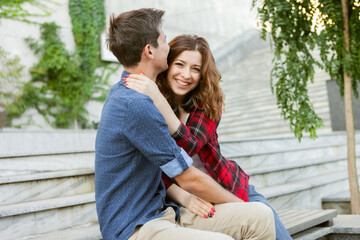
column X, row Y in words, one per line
column 148, row 51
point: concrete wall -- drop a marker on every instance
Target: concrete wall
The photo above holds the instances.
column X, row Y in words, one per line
column 222, row 23
column 218, row 21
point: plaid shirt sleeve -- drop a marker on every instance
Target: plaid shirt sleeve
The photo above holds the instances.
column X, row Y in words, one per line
column 200, row 131
column 199, row 137
column 193, row 137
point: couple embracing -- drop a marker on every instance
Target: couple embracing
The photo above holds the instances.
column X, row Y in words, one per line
column 159, row 172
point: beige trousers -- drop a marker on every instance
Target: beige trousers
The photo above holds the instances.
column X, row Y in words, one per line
column 231, row 221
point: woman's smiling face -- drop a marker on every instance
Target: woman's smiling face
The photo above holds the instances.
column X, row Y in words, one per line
column 184, row 73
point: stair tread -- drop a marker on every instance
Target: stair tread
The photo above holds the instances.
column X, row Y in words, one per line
column 292, row 165
column 290, row 149
column 41, row 205
column 300, row 185
column 276, row 137
column 84, row 232
column 47, row 152
column 343, row 196
column 45, row 175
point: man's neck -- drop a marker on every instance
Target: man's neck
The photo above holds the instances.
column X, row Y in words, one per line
column 146, row 70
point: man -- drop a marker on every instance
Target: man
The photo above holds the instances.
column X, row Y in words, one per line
column 133, row 147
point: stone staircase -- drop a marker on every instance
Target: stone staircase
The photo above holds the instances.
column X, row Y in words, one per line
column 250, row 107
column 48, row 192
column 293, row 175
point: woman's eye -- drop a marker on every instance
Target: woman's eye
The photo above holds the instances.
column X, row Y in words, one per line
column 196, row 69
column 178, row 64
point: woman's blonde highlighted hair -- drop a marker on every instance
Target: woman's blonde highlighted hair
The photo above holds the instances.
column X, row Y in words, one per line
column 208, row 92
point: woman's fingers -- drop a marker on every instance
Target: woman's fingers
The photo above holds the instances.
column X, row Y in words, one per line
column 201, row 207
column 199, row 211
column 209, row 205
column 135, row 86
column 137, row 78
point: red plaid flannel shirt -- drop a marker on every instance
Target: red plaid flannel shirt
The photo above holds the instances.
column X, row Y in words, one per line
column 199, row 137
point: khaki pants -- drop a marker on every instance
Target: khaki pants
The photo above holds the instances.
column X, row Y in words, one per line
column 231, row 221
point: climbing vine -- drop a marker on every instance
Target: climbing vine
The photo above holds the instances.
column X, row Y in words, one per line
column 10, row 73
column 14, row 9
column 55, row 89
column 62, row 82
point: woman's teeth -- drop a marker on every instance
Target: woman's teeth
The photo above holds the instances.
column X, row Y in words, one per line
column 182, row 83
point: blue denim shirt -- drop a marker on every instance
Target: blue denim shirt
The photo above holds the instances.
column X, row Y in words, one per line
column 133, row 146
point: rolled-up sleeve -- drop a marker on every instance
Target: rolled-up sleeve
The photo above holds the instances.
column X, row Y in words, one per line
column 174, row 167
column 147, row 130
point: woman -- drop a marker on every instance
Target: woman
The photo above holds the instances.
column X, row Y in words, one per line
column 191, row 102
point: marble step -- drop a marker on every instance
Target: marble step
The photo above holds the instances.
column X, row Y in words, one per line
column 248, row 99
column 265, row 128
column 262, row 177
column 305, row 193
column 275, row 158
column 45, row 185
column 49, row 161
column 267, row 106
column 274, row 131
column 237, row 94
column 261, row 83
column 264, row 111
column 82, row 232
column 43, row 216
column 344, row 227
column 272, row 144
column 261, row 124
column 254, row 114
column 253, row 120
column 29, row 142
column 242, row 123
column 245, row 124
column 239, row 75
column 262, row 152
column 339, row 201
column 262, row 127
column 259, row 79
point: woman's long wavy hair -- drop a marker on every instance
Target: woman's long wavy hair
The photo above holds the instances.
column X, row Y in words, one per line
column 208, row 92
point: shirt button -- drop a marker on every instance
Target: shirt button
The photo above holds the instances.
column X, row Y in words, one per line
column 176, row 150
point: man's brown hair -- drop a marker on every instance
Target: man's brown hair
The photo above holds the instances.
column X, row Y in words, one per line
column 131, row 31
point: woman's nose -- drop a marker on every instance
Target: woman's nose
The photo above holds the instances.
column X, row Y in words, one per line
column 186, row 73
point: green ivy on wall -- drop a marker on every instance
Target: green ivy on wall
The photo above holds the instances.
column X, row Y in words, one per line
column 12, row 9
column 62, row 82
column 88, row 21
column 10, row 73
column 55, row 89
